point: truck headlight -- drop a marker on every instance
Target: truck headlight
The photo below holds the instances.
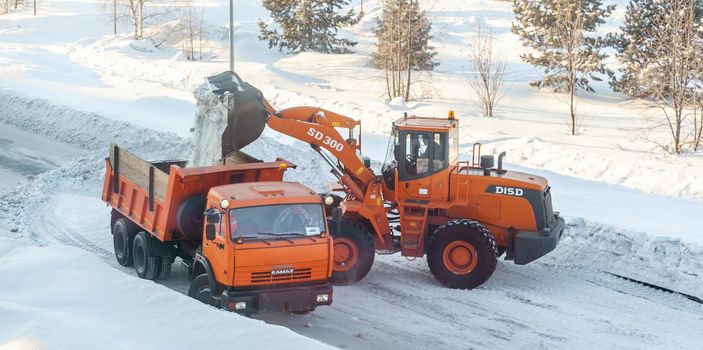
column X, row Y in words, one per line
column 323, row 298
column 329, row 200
column 240, row 305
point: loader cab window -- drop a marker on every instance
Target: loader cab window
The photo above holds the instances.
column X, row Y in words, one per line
column 425, row 153
column 394, row 153
column 453, row 146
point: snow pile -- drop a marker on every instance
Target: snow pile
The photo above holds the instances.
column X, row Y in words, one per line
column 659, row 260
column 208, row 126
column 88, row 130
column 47, row 304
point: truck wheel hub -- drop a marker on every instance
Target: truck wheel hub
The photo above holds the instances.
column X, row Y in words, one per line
column 460, row 257
column 346, row 254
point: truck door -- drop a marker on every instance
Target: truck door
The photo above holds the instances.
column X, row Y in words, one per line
column 216, row 251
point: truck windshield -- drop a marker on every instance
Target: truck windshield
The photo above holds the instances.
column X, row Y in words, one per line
column 277, row 220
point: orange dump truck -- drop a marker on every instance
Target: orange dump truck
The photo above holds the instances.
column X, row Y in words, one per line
column 251, row 241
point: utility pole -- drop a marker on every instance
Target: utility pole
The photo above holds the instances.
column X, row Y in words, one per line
column 35, row 7
column 114, row 16
column 231, row 35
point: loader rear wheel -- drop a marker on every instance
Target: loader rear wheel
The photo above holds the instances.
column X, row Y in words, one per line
column 147, row 265
column 123, row 232
column 200, row 290
column 353, row 252
column 462, row 254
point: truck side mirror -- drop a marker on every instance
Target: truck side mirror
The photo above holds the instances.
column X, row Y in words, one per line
column 210, row 232
column 212, row 216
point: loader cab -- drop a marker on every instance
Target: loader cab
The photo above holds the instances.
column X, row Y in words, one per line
column 420, row 153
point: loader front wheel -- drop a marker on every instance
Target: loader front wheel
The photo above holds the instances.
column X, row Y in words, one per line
column 353, row 252
column 147, row 265
column 462, row 254
column 123, row 232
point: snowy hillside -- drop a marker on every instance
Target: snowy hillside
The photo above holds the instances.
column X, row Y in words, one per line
column 68, row 88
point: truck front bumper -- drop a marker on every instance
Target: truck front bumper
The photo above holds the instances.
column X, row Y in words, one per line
column 301, row 298
column 529, row 246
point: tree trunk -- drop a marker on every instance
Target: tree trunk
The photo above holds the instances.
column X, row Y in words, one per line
column 141, row 18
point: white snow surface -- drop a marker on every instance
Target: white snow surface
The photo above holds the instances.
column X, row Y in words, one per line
column 76, row 88
column 518, row 306
column 63, row 297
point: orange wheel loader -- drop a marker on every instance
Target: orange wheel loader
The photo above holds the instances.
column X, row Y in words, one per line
column 462, row 215
column 251, row 241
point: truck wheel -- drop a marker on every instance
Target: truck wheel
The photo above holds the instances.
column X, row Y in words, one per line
column 166, row 263
column 462, row 254
column 123, row 232
column 147, row 265
column 200, row 290
column 189, row 217
column 353, row 252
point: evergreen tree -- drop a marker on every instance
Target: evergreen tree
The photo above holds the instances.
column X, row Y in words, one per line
column 308, row 25
column 403, row 35
column 640, row 44
column 563, row 33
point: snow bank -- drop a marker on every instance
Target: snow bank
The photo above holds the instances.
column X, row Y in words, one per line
column 95, row 133
column 662, row 261
column 60, row 297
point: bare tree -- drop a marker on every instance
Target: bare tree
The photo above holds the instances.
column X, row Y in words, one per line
column 677, row 67
column 191, row 25
column 5, row 6
column 488, row 72
column 697, row 120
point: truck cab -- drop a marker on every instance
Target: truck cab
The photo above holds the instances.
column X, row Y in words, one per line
column 266, row 247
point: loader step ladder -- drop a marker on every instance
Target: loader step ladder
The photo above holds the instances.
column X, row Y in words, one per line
column 413, row 223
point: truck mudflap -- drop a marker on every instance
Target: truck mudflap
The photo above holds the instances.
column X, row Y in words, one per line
column 302, row 298
column 529, row 246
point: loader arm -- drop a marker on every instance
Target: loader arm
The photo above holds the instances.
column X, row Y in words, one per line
column 249, row 112
column 317, row 127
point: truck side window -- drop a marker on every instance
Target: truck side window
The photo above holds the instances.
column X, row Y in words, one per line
column 219, row 231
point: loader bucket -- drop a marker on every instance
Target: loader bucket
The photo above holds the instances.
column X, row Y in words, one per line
column 246, row 117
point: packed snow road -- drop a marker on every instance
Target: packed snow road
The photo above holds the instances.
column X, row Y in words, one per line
column 561, row 301
column 399, row 304
column 24, row 155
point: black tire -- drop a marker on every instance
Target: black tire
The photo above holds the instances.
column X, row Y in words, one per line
column 501, row 251
column 123, row 232
column 166, row 264
column 189, row 217
column 461, row 236
column 147, row 265
column 355, row 238
column 200, row 289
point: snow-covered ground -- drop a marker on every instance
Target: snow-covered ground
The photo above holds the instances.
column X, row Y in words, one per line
column 62, row 297
column 68, row 86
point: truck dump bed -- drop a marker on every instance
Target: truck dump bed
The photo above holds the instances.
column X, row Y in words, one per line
column 151, row 193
